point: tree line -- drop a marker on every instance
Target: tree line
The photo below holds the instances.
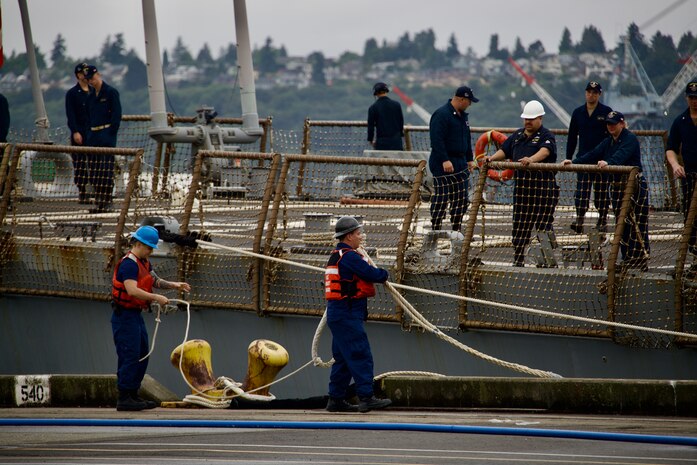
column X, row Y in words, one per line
column 420, row 47
column 660, row 55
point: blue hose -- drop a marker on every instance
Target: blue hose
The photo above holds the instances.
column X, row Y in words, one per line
column 420, row 427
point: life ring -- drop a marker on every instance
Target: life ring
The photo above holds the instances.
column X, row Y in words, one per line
column 481, row 150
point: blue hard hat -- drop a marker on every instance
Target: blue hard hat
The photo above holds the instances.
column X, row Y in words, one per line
column 147, row 235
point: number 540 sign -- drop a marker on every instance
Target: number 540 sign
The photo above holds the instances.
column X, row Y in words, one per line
column 32, row 390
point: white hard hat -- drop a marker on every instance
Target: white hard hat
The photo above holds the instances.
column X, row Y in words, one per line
column 532, row 109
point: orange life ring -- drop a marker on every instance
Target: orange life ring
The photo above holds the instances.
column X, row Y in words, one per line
column 481, row 150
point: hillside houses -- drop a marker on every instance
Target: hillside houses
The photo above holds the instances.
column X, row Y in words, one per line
column 297, row 72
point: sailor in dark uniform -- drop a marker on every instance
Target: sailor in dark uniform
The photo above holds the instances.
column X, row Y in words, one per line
column 385, row 121
column 349, row 282
column 621, row 148
column 683, row 139
column 76, row 112
column 104, row 110
column 451, row 159
column 132, row 292
column 587, row 127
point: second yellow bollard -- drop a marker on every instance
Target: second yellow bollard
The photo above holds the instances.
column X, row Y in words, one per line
column 265, row 359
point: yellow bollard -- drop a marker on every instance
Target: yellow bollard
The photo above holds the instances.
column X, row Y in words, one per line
column 196, row 364
column 265, row 360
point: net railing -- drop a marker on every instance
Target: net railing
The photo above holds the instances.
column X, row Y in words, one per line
column 634, row 267
column 599, row 271
column 311, row 194
column 232, row 210
column 45, row 220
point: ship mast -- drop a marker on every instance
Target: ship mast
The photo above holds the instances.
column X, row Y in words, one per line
column 206, row 134
column 41, row 121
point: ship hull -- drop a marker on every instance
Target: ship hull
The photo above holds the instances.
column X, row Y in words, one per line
column 48, row 335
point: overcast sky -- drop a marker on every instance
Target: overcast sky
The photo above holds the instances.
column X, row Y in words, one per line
column 334, row 26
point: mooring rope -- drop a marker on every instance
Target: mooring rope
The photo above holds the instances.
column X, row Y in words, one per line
column 414, row 314
column 404, row 303
column 467, row 299
column 229, row 387
column 318, row 362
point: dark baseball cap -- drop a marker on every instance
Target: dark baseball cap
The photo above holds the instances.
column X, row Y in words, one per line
column 614, row 117
column 380, row 87
column 594, row 85
column 79, row 68
column 89, row 71
column 691, row 89
column 464, row 91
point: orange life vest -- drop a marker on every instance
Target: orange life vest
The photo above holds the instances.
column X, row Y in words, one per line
column 145, row 282
column 336, row 288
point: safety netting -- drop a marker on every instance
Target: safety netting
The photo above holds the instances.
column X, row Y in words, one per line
column 519, row 244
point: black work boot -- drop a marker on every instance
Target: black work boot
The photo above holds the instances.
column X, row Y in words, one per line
column 367, row 404
column 602, row 225
column 577, row 225
column 340, row 405
column 83, row 198
column 127, row 403
column 148, row 403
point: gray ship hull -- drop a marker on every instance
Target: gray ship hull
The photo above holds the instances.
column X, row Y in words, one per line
column 48, row 335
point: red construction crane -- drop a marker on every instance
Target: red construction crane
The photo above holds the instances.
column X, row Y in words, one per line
column 412, row 105
column 553, row 105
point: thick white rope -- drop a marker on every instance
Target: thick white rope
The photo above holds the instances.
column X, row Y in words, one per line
column 316, row 359
column 409, row 373
column 227, row 385
column 154, row 335
column 318, row 362
column 404, row 303
column 467, row 299
column 427, row 325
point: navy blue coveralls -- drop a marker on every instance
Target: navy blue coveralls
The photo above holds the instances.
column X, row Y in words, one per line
column 76, row 112
column 626, row 151
column 590, row 131
column 450, row 140
column 345, row 317
column 4, row 118
column 130, row 334
column 386, row 124
column 683, row 139
column 536, row 193
column 4, row 129
column 104, row 110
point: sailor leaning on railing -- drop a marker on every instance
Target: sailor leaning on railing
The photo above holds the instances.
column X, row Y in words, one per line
column 622, row 148
column 533, row 143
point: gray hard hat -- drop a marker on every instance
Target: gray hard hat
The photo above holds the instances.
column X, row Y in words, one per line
column 345, row 225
